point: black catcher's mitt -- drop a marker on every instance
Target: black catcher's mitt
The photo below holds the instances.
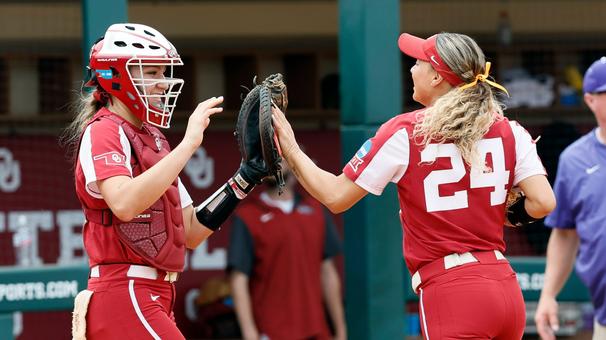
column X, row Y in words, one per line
column 516, row 215
column 255, row 132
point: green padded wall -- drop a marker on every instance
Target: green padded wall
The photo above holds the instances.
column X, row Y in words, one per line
column 370, row 70
column 96, row 17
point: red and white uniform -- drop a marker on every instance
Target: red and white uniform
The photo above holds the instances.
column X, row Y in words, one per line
column 134, row 307
column 446, row 207
column 106, row 152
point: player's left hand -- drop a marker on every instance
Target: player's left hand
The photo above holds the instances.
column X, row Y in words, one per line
column 200, row 119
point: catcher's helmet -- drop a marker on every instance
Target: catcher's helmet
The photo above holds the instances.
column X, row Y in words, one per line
column 133, row 45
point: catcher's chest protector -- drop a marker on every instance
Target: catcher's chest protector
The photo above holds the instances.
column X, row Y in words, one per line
column 157, row 234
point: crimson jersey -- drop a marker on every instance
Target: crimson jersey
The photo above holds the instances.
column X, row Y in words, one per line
column 445, row 207
column 282, row 251
column 106, row 152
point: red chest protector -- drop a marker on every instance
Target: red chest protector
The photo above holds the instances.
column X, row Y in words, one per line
column 157, row 234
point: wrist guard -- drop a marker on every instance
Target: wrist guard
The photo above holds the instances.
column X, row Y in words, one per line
column 215, row 210
column 517, row 214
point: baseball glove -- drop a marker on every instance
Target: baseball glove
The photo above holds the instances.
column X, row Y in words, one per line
column 255, row 133
column 515, row 214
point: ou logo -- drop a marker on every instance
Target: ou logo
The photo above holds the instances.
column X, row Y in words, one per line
column 201, row 169
column 10, row 171
column 116, row 158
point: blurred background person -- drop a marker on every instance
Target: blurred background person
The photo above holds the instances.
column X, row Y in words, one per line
column 281, row 266
column 579, row 220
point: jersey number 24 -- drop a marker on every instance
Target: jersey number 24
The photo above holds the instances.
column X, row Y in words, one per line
column 496, row 179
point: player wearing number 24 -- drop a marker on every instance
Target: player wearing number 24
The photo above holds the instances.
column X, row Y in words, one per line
column 453, row 162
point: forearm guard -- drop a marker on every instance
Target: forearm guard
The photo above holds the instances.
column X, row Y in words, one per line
column 517, row 214
column 215, row 210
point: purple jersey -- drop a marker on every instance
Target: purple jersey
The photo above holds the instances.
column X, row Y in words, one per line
column 580, row 189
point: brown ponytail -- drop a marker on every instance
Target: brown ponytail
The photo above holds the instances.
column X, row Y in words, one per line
column 84, row 108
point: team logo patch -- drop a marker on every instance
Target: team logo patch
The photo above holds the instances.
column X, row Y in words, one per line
column 433, row 58
column 111, row 158
column 357, row 159
column 355, row 163
column 364, row 149
column 105, row 74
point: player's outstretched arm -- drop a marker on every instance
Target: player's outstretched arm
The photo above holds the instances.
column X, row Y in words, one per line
column 337, row 193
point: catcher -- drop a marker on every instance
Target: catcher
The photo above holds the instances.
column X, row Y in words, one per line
column 139, row 216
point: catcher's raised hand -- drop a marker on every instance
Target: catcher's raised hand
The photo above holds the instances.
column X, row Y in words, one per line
column 286, row 136
column 199, row 120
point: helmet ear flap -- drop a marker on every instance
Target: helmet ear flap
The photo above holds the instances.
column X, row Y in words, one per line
column 115, row 72
column 116, row 75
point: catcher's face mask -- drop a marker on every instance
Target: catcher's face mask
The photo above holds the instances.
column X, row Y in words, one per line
column 158, row 92
column 120, row 62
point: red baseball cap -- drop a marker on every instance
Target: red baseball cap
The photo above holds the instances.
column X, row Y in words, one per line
column 425, row 49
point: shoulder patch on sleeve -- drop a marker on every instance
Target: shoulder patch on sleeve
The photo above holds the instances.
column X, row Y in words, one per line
column 358, row 158
column 111, row 158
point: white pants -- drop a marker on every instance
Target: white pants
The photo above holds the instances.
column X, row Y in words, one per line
column 599, row 331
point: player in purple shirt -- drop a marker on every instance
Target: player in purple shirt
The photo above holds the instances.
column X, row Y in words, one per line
column 579, row 221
